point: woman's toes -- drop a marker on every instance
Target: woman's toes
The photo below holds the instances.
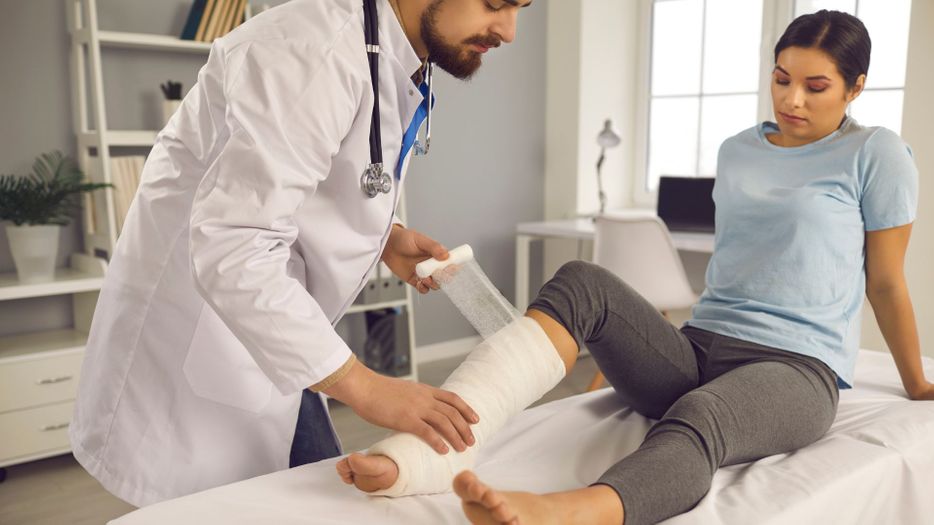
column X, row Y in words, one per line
column 344, row 471
column 368, row 473
column 466, row 484
column 482, row 503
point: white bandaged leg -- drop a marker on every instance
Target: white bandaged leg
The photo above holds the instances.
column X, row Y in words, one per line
column 504, row 374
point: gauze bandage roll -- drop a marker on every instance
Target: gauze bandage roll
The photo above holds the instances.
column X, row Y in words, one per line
column 513, row 367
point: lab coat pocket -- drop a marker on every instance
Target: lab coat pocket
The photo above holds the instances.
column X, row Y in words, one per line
column 218, row 367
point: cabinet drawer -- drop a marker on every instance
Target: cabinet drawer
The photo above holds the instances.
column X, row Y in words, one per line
column 34, row 382
column 26, row 432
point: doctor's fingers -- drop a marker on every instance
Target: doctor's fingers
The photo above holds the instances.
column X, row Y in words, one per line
column 428, row 245
column 430, row 284
column 422, row 285
column 428, row 434
column 459, row 421
column 444, row 426
column 455, row 401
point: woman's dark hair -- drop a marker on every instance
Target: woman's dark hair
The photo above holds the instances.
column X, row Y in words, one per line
column 840, row 35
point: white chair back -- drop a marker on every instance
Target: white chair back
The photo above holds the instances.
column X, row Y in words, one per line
column 640, row 251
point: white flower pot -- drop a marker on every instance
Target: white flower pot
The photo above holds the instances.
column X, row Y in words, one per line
column 169, row 107
column 35, row 250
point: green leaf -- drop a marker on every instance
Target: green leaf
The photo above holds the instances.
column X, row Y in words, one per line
column 47, row 195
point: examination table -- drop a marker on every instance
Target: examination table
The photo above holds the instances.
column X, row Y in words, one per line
column 875, row 465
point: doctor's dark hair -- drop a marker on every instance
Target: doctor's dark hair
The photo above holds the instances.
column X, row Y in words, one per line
column 840, row 35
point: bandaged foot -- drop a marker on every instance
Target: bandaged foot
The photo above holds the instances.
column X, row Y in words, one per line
column 503, row 375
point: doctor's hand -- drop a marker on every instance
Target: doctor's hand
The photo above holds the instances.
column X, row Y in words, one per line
column 428, row 412
column 405, row 249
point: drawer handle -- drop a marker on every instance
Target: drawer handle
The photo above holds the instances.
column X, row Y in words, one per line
column 53, row 380
column 49, row 428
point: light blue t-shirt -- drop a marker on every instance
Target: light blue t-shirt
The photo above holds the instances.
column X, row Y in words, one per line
column 787, row 269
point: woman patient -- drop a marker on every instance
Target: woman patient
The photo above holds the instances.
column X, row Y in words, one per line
column 813, row 211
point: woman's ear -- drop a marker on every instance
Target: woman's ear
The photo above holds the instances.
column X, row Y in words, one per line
column 857, row 89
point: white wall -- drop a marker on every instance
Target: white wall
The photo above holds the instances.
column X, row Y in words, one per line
column 485, row 172
column 592, row 53
column 592, row 57
column 916, row 130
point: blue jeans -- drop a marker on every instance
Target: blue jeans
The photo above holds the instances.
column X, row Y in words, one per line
column 314, row 440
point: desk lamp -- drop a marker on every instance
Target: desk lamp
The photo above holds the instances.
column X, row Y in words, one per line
column 608, row 138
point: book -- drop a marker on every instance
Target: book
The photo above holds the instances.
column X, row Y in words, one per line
column 221, row 9
column 194, row 19
column 209, row 9
column 125, row 173
column 138, row 162
column 236, row 16
column 224, row 23
column 116, row 176
column 241, row 13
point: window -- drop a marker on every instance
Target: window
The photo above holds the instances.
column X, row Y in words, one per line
column 704, row 83
column 706, row 60
column 887, row 21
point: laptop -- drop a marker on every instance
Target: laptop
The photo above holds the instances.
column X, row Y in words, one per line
column 685, row 204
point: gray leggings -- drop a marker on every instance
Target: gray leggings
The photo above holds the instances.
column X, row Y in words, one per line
column 719, row 400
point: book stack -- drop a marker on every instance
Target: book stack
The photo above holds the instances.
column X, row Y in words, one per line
column 210, row 19
column 125, row 172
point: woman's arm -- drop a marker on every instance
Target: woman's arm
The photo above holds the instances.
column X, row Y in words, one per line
column 888, row 294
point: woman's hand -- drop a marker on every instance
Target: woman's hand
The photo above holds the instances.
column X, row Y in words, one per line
column 405, row 249
column 924, row 392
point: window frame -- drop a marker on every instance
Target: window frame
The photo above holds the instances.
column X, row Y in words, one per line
column 776, row 15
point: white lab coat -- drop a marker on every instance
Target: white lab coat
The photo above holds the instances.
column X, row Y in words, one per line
column 248, row 239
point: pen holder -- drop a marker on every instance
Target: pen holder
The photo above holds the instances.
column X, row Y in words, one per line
column 169, row 107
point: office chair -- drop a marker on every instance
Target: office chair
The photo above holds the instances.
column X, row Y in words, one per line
column 640, row 251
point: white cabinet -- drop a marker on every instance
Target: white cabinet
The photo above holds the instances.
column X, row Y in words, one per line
column 39, row 370
column 35, row 432
column 40, row 378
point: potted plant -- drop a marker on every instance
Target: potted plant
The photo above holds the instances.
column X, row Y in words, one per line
column 38, row 205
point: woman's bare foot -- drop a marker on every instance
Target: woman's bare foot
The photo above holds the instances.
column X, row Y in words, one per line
column 484, row 505
column 368, row 473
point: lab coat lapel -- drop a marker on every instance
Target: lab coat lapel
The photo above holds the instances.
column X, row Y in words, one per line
column 398, row 55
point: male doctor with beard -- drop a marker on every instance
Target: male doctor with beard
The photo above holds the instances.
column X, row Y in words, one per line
column 250, row 236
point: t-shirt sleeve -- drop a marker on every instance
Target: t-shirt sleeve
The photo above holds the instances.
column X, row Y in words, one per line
column 889, row 182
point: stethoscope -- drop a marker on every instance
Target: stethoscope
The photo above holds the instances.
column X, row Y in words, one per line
column 375, row 180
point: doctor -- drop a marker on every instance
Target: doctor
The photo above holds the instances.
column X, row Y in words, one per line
column 252, row 232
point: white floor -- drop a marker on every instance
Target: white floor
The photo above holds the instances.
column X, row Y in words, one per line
column 58, row 491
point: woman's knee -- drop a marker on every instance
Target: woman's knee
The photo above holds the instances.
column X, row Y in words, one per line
column 589, row 282
column 584, row 272
column 577, row 289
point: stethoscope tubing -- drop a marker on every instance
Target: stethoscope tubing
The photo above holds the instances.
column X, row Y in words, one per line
column 375, row 180
column 371, row 34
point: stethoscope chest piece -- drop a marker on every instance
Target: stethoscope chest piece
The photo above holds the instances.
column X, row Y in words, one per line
column 375, row 181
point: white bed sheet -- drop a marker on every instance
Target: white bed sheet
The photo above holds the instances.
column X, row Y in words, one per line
column 875, row 465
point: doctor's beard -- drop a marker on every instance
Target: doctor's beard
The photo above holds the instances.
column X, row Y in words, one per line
column 459, row 61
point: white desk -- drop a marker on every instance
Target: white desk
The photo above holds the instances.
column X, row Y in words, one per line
column 582, row 230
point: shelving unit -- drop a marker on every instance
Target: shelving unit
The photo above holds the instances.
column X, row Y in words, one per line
column 39, row 371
